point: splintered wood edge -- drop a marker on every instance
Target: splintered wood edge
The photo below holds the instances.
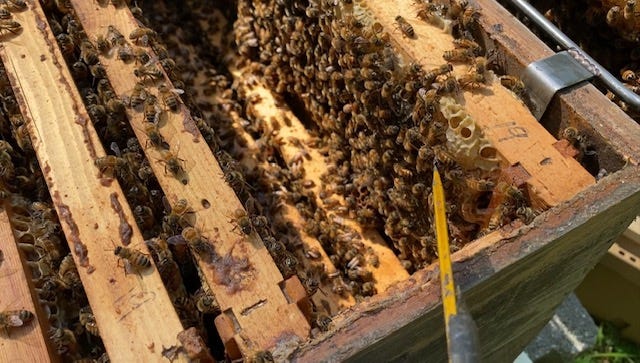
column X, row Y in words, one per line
column 258, row 307
column 506, row 122
column 126, row 307
column 293, row 136
column 28, row 342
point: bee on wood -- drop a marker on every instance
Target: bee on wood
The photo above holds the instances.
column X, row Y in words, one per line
column 138, row 95
column 14, row 318
column 67, row 46
column 141, row 56
column 322, row 322
column 527, row 214
column 134, row 260
column 170, row 96
column 114, row 36
column 441, row 70
column 481, row 65
column 151, row 109
column 142, row 36
column 405, row 27
column 5, row 14
column 148, row 72
column 242, row 221
column 103, row 45
column 469, row 17
column 153, row 135
column 577, row 140
column 459, row 55
column 196, row 242
column 471, row 79
column 126, row 53
column 97, row 71
column 448, row 85
column 10, row 26
column 174, row 165
column 514, row 84
column 181, row 215
column 88, row 320
column 144, row 217
column 110, row 165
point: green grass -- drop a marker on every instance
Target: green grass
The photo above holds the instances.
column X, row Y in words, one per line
column 610, row 347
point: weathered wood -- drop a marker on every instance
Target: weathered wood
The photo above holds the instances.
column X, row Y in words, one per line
column 255, row 308
column 293, row 140
column 126, row 307
column 614, row 134
column 29, row 342
column 512, row 286
column 505, row 121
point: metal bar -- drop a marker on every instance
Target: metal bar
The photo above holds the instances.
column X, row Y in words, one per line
column 563, row 40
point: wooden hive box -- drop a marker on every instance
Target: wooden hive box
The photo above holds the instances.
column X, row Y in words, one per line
column 512, row 278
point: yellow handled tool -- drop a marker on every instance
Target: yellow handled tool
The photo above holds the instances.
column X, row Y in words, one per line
column 460, row 328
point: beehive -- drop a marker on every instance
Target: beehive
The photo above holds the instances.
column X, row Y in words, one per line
column 324, row 276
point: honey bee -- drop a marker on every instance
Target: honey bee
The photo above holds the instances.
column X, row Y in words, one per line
column 88, row 53
column 125, row 53
column 10, row 26
column 142, row 36
column 628, row 75
column 196, row 242
column 86, row 318
column 15, row 5
column 471, row 79
column 579, row 141
column 628, row 11
column 469, row 17
column 174, row 165
column 527, row 214
column 148, row 72
column 64, row 340
column 459, row 55
column 514, row 84
column 98, row 71
column 206, row 303
column 481, row 185
column 138, row 95
column 153, row 135
column 134, row 260
column 180, row 215
column 144, row 217
column 151, row 109
column 242, row 221
column 68, row 276
column 481, row 65
column 170, row 96
column 110, row 165
column 14, row 319
column 66, row 44
column 405, row 27
column 448, row 85
column 114, row 36
column 615, row 16
column 322, row 322
column 103, row 45
column 141, row 56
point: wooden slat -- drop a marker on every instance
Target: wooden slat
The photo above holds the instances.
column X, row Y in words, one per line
column 29, row 342
column 325, row 299
column 293, row 135
column 505, row 120
column 583, row 106
column 255, row 308
column 133, row 312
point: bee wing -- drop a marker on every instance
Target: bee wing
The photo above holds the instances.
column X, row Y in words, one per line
column 15, row 321
column 177, row 91
column 176, row 240
column 152, row 61
column 115, row 148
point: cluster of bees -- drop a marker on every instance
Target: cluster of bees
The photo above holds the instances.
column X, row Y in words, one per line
column 378, row 117
column 375, row 118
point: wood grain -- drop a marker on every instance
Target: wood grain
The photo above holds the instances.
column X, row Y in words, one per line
column 262, row 317
column 127, row 307
column 28, row 343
